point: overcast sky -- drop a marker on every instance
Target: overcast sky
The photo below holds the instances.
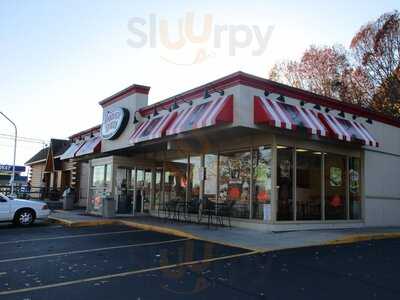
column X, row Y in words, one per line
column 58, row 59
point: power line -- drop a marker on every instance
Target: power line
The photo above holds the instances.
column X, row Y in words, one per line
column 23, row 139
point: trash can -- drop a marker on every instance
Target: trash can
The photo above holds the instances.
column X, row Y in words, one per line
column 108, row 207
column 68, row 199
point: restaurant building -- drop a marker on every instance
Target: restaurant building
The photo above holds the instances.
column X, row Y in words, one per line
column 280, row 157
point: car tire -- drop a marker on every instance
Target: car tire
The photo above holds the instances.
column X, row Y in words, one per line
column 24, row 217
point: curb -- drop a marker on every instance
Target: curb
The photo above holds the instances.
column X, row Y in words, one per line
column 180, row 233
column 363, row 237
column 70, row 223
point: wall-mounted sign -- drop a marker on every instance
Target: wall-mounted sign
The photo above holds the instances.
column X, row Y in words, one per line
column 114, row 123
column 9, row 168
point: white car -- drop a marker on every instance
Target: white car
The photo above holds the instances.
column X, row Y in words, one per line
column 22, row 212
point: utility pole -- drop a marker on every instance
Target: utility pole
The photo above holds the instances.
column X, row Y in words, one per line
column 15, row 153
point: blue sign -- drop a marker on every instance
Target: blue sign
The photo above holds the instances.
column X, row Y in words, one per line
column 9, row 168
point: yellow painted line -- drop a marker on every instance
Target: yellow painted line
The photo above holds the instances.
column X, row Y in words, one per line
column 71, row 236
column 90, row 250
column 124, row 274
column 364, row 237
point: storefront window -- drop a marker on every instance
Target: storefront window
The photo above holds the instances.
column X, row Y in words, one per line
column 234, row 182
column 308, row 184
column 285, row 183
column 262, row 168
column 210, row 184
column 175, row 180
column 100, row 187
column 98, row 176
column 355, row 188
column 195, row 180
column 335, row 186
column 158, row 189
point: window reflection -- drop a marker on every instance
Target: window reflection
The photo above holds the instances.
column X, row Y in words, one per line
column 309, row 185
column 262, row 168
column 335, row 186
column 285, row 183
column 355, row 188
column 210, row 184
column 235, row 176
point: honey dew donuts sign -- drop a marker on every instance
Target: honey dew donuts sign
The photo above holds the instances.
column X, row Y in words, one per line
column 114, row 123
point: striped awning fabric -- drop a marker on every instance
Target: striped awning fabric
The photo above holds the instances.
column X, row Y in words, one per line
column 71, row 151
column 211, row 113
column 152, row 129
column 286, row 116
column 348, row 130
column 92, row 145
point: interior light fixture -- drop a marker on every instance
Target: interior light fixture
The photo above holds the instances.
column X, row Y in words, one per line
column 206, row 94
column 301, row 150
column 317, row 106
column 327, row 109
column 135, row 120
column 302, row 103
column 281, row 147
column 266, row 93
column 317, row 153
column 155, row 112
column 342, row 114
column 354, row 117
column 369, row 121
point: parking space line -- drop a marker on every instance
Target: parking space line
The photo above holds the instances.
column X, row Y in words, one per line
column 124, row 274
column 70, row 236
column 90, row 250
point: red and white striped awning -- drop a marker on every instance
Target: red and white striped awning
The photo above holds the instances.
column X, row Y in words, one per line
column 283, row 115
column 152, row 129
column 71, row 151
column 92, row 145
column 211, row 113
column 348, row 130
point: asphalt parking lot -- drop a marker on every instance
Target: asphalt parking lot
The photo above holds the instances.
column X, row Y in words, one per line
column 120, row 262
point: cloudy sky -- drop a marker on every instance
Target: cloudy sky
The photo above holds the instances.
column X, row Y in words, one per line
column 58, row 59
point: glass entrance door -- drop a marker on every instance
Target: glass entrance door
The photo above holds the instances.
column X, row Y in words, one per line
column 124, row 185
column 143, row 190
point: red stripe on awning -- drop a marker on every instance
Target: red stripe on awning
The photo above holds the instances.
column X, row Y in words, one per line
column 348, row 130
column 286, row 116
column 152, row 129
column 211, row 113
column 92, row 145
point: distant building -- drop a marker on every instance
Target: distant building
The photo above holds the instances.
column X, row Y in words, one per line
column 49, row 175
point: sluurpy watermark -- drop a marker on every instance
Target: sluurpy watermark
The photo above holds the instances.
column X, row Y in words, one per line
column 156, row 32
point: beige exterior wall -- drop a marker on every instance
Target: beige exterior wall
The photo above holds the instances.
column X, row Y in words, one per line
column 36, row 178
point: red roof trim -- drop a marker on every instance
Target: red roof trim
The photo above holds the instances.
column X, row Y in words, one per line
column 85, row 132
column 273, row 87
column 130, row 90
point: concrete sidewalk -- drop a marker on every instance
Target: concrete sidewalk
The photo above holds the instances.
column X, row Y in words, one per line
column 239, row 237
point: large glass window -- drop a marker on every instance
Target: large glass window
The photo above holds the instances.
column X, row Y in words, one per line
column 234, row 182
column 210, row 184
column 158, row 189
column 355, row 187
column 195, row 177
column 262, row 168
column 100, row 186
column 175, row 180
column 308, row 185
column 335, row 186
column 285, row 183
